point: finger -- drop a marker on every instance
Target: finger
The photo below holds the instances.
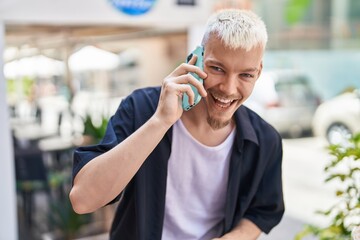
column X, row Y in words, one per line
column 195, row 69
column 188, row 78
column 199, row 85
column 192, row 59
column 185, row 68
column 186, row 88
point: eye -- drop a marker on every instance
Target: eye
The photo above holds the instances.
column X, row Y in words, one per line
column 247, row 76
column 216, row 69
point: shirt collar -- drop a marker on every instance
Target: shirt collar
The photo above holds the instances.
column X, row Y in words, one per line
column 244, row 127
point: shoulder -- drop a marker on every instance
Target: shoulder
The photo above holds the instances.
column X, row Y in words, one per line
column 142, row 99
column 140, row 105
column 264, row 131
column 145, row 95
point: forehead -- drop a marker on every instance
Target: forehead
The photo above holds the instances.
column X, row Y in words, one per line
column 215, row 50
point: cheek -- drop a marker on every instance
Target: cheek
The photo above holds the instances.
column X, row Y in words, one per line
column 212, row 80
column 247, row 90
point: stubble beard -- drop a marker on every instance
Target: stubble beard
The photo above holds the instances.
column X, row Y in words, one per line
column 216, row 124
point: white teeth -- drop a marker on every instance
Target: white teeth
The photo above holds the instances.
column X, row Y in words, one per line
column 222, row 100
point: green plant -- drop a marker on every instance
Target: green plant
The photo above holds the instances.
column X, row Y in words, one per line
column 27, row 84
column 96, row 131
column 345, row 215
column 295, row 10
column 64, row 220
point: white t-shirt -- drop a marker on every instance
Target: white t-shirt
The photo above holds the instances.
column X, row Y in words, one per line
column 196, row 187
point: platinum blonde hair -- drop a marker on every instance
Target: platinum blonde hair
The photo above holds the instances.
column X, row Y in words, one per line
column 236, row 29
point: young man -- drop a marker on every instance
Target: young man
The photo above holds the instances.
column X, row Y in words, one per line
column 211, row 172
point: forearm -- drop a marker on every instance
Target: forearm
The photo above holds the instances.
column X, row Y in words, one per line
column 104, row 177
column 245, row 230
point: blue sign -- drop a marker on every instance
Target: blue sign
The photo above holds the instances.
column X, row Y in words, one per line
column 133, row 7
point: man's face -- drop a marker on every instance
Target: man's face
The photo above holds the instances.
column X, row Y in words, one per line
column 231, row 78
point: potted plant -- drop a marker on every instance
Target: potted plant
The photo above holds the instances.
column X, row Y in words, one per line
column 94, row 132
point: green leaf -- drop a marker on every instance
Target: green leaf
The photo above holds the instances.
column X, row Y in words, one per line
column 349, row 204
column 339, row 193
column 342, row 177
column 295, row 10
column 308, row 230
column 96, row 132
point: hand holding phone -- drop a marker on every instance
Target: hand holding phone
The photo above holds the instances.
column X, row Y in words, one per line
column 199, row 51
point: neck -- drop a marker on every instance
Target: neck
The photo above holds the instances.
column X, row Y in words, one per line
column 196, row 123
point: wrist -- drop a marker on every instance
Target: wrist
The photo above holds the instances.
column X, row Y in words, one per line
column 157, row 122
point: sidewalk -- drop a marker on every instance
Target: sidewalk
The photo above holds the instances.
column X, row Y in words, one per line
column 286, row 230
column 304, row 188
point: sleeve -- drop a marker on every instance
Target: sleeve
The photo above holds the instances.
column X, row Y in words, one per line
column 267, row 206
column 120, row 126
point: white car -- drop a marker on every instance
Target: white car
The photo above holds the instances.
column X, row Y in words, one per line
column 286, row 100
column 338, row 118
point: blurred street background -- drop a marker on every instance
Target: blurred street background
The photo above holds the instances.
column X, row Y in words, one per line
column 66, row 66
column 304, row 188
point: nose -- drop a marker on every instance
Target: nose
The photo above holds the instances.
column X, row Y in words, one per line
column 228, row 85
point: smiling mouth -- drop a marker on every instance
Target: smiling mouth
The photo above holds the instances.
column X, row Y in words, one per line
column 223, row 102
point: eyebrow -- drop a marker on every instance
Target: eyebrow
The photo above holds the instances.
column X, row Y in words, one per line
column 251, row 69
column 254, row 69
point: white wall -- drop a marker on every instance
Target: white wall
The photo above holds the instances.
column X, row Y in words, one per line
column 8, row 216
column 164, row 13
column 195, row 34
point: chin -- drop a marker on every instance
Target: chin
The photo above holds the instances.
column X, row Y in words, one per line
column 217, row 117
column 217, row 124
